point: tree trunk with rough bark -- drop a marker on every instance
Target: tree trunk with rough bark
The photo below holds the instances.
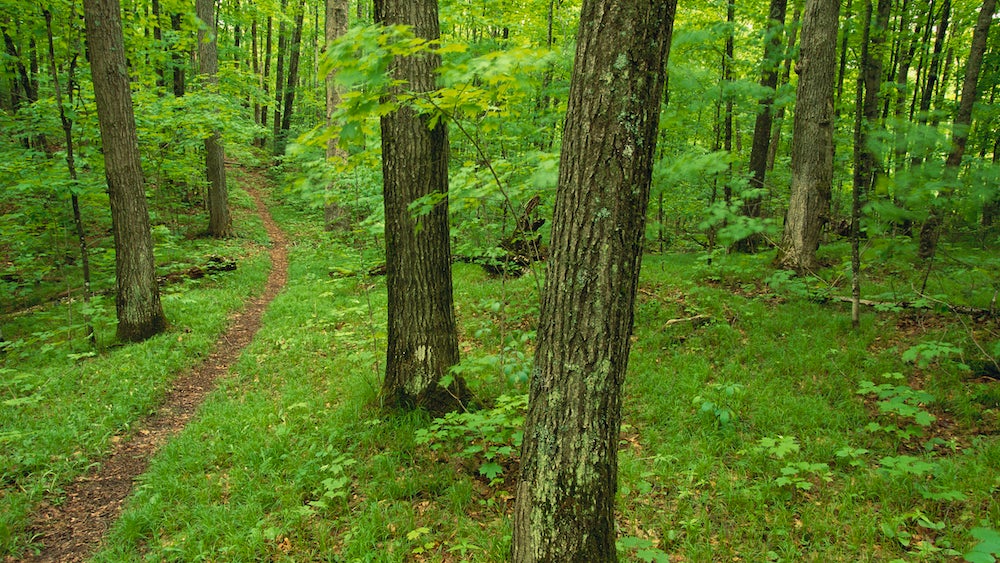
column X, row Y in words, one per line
column 422, row 336
column 140, row 314
column 219, row 221
column 812, row 137
column 565, row 493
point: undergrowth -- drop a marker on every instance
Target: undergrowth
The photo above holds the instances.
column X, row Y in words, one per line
column 759, row 426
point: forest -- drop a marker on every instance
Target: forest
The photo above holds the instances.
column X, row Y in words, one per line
column 484, row 280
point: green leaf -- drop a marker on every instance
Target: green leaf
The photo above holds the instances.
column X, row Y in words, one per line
column 491, row 470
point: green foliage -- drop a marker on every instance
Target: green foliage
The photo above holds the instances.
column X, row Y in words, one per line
column 713, row 404
column 988, row 547
column 926, row 353
column 491, row 436
column 903, row 405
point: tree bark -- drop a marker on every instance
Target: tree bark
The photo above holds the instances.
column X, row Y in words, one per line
column 140, row 314
column 812, row 142
column 564, row 508
column 422, row 337
column 762, row 126
column 219, row 220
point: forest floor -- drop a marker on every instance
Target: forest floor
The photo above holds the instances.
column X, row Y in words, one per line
column 758, row 425
column 72, row 529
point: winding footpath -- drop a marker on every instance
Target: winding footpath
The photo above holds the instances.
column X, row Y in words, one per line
column 72, row 530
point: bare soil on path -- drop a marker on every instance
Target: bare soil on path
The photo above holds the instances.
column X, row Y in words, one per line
column 72, row 530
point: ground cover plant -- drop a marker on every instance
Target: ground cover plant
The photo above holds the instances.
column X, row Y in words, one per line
column 759, row 427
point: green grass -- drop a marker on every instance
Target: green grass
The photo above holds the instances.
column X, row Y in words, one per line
column 291, row 459
column 61, row 402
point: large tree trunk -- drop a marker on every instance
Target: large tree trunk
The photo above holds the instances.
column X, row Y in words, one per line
column 140, row 314
column 336, row 26
column 762, row 126
column 812, row 137
column 219, row 221
column 564, row 509
column 422, row 340
column 930, row 230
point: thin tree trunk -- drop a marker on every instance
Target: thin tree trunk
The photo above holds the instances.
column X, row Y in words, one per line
column 140, row 314
column 564, row 508
column 219, row 221
column 865, row 116
column 762, row 126
column 812, row 142
column 422, row 336
column 294, row 56
column 336, row 26
column 161, row 76
column 842, row 70
column 279, row 92
column 255, row 66
column 779, row 115
column 727, row 77
column 67, row 125
column 177, row 57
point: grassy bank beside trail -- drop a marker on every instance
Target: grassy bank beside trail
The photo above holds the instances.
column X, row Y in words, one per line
column 759, row 425
column 63, row 403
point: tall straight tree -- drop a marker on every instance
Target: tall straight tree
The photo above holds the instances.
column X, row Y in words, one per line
column 140, row 314
column 422, row 339
column 569, row 462
column 762, row 125
column 294, row 54
column 336, row 26
column 219, row 221
column 812, row 137
column 865, row 116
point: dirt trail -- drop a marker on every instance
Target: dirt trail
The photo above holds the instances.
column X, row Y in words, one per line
column 72, row 531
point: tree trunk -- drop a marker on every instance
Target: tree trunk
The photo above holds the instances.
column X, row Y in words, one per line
column 727, row 77
column 294, row 55
column 842, row 64
column 779, row 116
column 762, row 126
column 67, row 125
column 219, row 221
column 564, row 508
column 812, row 137
column 336, row 26
column 177, row 58
column 161, row 76
column 140, row 314
column 422, row 337
column 277, row 147
column 931, row 228
column 865, row 115
column 935, row 64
